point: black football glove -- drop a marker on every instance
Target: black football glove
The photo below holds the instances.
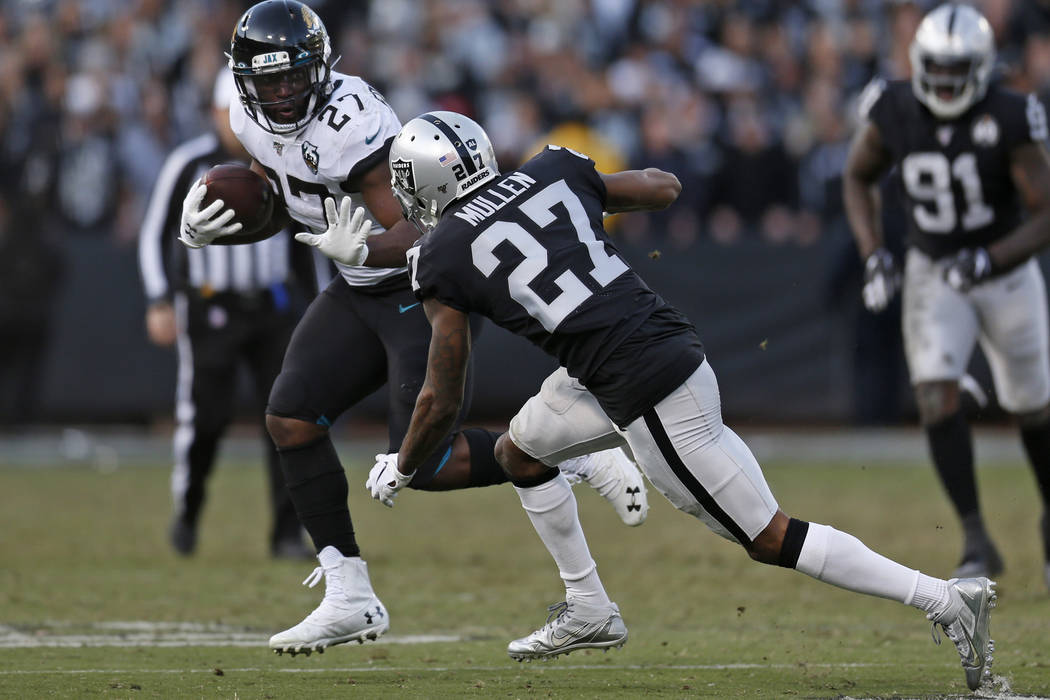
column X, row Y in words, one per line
column 968, row 268
column 881, row 280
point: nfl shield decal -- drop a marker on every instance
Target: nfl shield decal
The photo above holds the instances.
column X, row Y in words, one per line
column 406, row 179
column 944, row 134
column 985, row 131
column 310, row 156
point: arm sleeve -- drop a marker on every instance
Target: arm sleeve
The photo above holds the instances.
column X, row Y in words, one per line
column 581, row 165
column 368, row 143
column 875, row 104
column 429, row 280
column 1029, row 122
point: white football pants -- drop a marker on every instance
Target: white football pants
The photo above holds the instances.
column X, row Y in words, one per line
column 681, row 445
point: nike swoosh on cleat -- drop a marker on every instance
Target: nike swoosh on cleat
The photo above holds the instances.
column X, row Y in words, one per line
column 370, row 139
column 401, row 308
column 561, row 640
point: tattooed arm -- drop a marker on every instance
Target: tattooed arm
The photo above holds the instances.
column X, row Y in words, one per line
column 441, row 397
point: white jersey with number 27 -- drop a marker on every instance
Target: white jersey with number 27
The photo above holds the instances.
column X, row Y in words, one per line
column 346, row 137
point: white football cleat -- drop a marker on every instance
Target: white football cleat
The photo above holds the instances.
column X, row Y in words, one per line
column 350, row 610
column 616, row 478
column 965, row 622
column 571, row 626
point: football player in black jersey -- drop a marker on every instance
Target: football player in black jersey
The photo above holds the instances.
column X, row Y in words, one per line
column 320, row 137
column 972, row 159
column 528, row 249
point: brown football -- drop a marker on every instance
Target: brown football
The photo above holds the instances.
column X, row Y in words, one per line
column 242, row 189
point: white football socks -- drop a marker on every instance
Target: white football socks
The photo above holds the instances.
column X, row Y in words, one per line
column 842, row 560
column 552, row 510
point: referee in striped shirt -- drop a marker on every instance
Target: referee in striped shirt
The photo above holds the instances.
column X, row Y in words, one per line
column 222, row 307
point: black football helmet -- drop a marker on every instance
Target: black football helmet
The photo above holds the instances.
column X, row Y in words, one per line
column 279, row 55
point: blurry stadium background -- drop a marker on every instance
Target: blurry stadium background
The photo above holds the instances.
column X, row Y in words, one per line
column 751, row 103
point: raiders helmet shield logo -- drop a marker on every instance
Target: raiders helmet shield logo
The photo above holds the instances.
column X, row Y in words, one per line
column 985, row 131
column 310, row 156
column 403, row 173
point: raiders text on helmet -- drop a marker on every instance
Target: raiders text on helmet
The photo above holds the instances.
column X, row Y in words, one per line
column 952, row 56
column 435, row 159
column 279, row 55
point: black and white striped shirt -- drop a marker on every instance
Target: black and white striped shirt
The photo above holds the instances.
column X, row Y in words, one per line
column 168, row 266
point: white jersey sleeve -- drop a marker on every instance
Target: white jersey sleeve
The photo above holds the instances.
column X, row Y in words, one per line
column 349, row 136
column 376, row 125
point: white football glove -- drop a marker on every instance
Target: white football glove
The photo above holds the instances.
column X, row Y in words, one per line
column 344, row 241
column 198, row 227
column 881, row 280
column 384, row 481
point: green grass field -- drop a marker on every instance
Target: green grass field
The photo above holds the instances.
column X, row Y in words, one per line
column 94, row 604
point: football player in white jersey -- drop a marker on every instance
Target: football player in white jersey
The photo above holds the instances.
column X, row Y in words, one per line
column 322, row 137
column 972, row 159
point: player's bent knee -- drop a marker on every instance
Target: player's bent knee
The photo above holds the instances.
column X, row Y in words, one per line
column 770, row 546
column 516, row 464
column 1034, row 419
column 291, row 432
column 937, row 401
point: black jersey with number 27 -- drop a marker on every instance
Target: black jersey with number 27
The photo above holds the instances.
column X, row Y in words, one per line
column 531, row 253
column 956, row 173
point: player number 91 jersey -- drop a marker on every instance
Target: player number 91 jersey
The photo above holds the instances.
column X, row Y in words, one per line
column 955, row 174
column 349, row 136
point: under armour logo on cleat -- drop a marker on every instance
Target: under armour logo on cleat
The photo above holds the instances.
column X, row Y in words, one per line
column 378, row 613
column 633, row 492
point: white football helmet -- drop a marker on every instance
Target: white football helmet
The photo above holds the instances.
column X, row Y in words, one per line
column 952, row 56
column 435, row 159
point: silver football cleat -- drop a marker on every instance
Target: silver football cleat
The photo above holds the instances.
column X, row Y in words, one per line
column 965, row 622
column 571, row 626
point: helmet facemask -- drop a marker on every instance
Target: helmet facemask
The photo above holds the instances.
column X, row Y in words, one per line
column 283, row 101
column 415, row 209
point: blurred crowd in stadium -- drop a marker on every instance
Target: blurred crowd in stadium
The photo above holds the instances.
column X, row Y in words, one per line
column 749, row 102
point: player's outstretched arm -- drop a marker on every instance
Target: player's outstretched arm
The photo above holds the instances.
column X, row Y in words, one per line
column 868, row 159
column 441, row 397
column 640, row 190
column 1030, row 170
